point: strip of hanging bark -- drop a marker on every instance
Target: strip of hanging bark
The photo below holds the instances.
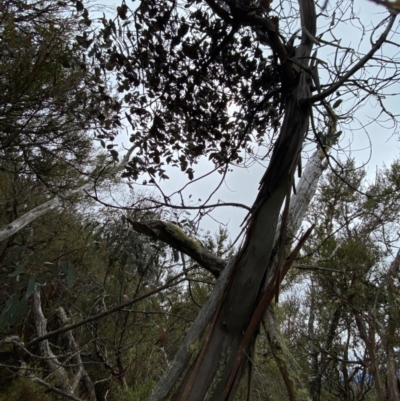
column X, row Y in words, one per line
column 179, row 240
column 253, row 326
column 259, row 311
column 305, row 191
column 282, row 241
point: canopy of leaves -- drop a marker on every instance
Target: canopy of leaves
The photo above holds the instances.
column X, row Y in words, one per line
column 193, row 84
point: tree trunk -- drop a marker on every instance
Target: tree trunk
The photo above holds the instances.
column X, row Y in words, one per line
column 80, row 371
column 393, row 391
column 41, row 328
column 315, row 383
column 210, row 374
column 287, row 364
column 214, row 370
column 305, row 190
column 370, row 345
column 65, row 386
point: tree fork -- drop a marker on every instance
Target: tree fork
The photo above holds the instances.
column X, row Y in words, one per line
column 211, row 372
column 305, row 191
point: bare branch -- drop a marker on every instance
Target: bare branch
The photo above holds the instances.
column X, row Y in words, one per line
column 100, row 315
column 41, row 328
column 334, row 87
column 21, row 222
column 313, row 267
column 81, row 373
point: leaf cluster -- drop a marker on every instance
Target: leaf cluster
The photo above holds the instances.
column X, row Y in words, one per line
column 191, row 83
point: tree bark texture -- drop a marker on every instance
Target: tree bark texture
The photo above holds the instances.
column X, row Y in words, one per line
column 210, row 373
column 305, row 191
column 368, row 336
column 389, row 335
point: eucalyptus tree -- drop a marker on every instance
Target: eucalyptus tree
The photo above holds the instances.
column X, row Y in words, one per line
column 179, row 66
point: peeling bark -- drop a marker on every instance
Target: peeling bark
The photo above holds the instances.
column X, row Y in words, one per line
column 305, row 191
column 210, row 374
column 191, row 343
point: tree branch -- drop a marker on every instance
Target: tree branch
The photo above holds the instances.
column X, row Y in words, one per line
column 21, row 222
column 81, row 374
column 53, row 363
column 100, row 315
column 179, row 240
column 334, row 87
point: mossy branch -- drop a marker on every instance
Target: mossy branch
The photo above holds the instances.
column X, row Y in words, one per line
column 174, row 236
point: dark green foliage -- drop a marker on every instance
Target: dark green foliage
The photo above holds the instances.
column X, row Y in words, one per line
column 49, row 97
column 350, row 306
column 21, row 389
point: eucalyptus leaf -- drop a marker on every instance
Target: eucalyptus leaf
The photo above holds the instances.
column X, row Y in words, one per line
column 71, row 273
column 20, row 269
column 31, row 287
